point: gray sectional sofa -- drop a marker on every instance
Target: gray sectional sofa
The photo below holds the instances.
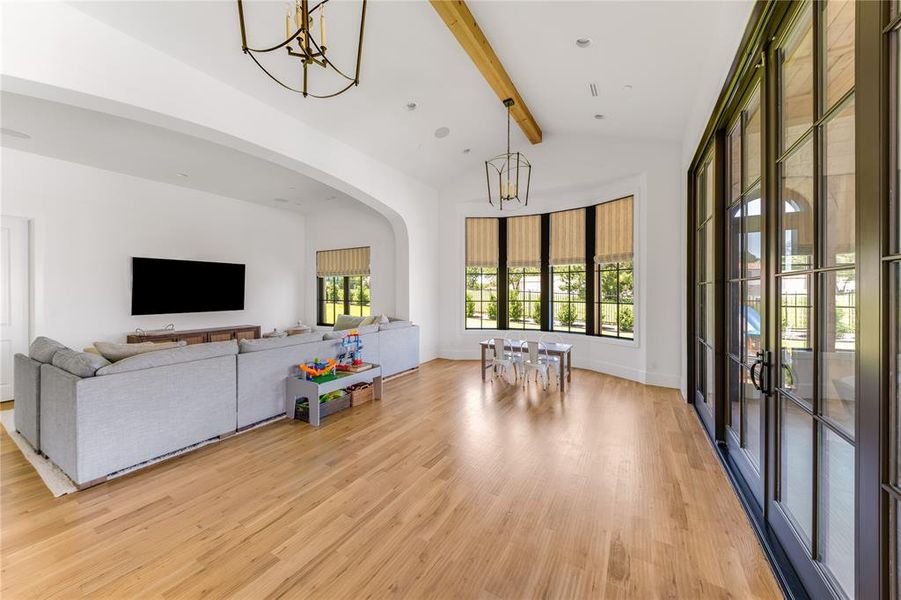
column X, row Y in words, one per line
column 94, row 418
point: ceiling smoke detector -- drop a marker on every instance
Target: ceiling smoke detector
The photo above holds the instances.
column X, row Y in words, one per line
column 583, row 42
column 442, row 132
column 593, row 89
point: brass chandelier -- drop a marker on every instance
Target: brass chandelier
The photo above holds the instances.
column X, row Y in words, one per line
column 512, row 173
column 306, row 41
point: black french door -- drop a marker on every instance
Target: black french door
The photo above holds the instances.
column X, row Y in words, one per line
column 786, row 373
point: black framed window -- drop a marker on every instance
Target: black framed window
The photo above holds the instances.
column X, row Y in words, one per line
column 342, row 283
column 524, row 298
column 569, row 271
column 568, row 298
column 481, row 298
column 343, row 295
column 615, row 300
column 331, row 299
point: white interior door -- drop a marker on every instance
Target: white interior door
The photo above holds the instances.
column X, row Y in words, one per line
column 14, row 294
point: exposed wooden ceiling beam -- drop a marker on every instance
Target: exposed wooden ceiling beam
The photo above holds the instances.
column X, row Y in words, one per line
column 459, row 20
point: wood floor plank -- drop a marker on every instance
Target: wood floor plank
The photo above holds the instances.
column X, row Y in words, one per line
column 447, row 488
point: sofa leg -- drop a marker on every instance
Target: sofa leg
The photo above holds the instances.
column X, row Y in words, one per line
column 91, row 483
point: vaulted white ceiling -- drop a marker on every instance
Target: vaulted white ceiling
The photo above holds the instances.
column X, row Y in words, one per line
column 663, row 50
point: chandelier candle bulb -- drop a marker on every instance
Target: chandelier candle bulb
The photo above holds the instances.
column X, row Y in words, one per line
column 288, row 23
column 322, row 28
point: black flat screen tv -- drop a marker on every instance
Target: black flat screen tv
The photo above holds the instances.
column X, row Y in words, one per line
column 161, row 286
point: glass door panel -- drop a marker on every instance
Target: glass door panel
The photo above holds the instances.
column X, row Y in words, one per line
column 836, row 509
column 817, row 325
column 837, row 354
column 797, row 218
column 796, row 465
column 838, row 187
column 796, row 80
column 796, row 340
column 744, row 302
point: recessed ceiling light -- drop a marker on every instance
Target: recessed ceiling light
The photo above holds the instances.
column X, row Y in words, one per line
column 627, row 87
column 15, row 133
column 442, row 132
column 583, row 42
column 182, row 174
column 411, row 106
column 467, row 150
column 291, row 187
column 280, row 199
column 599, row 117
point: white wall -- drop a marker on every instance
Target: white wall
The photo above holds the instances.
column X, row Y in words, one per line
column 717, row 66
column 87, row 223
column 348, row 228
column 579, row 171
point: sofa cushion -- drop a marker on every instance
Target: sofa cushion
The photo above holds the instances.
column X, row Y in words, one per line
column 395, row 325
column 333, row 335
column 114, row 352
column 43, row 348
column 279, row 342
column 343, row 322
column 83, row 364
column 190, row 353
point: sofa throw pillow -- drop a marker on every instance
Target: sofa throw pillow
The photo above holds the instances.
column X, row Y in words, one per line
column 259, row 345
column 83, row 364
column 43, row 348
column 114, row 352
column 343, row 322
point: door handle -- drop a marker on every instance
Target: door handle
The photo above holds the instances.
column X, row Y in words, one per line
column 757, row 363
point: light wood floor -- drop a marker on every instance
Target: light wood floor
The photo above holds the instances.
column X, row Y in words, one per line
column 447, row 488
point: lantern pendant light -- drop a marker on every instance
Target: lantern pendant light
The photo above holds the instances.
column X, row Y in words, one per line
column 508, row 175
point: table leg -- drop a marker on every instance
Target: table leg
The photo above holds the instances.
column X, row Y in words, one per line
column 483, row 361
column 562, row 377
column 377, row 387
column 314, row 410
column 569, row 369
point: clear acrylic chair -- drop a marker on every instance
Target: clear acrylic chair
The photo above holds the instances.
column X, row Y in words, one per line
column 502, row 363
column 555, row 366
column 537, row 361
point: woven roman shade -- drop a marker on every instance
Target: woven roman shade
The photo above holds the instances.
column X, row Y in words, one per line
column 524, row 241
column 568, row 237
column 481, row 242
column 613, row 231
column 346, row 261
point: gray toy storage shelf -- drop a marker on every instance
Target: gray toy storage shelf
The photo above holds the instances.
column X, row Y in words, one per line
column 297, row 388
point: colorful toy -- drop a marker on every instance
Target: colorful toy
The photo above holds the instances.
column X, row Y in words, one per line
column 351, row 349
column 318, row 370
